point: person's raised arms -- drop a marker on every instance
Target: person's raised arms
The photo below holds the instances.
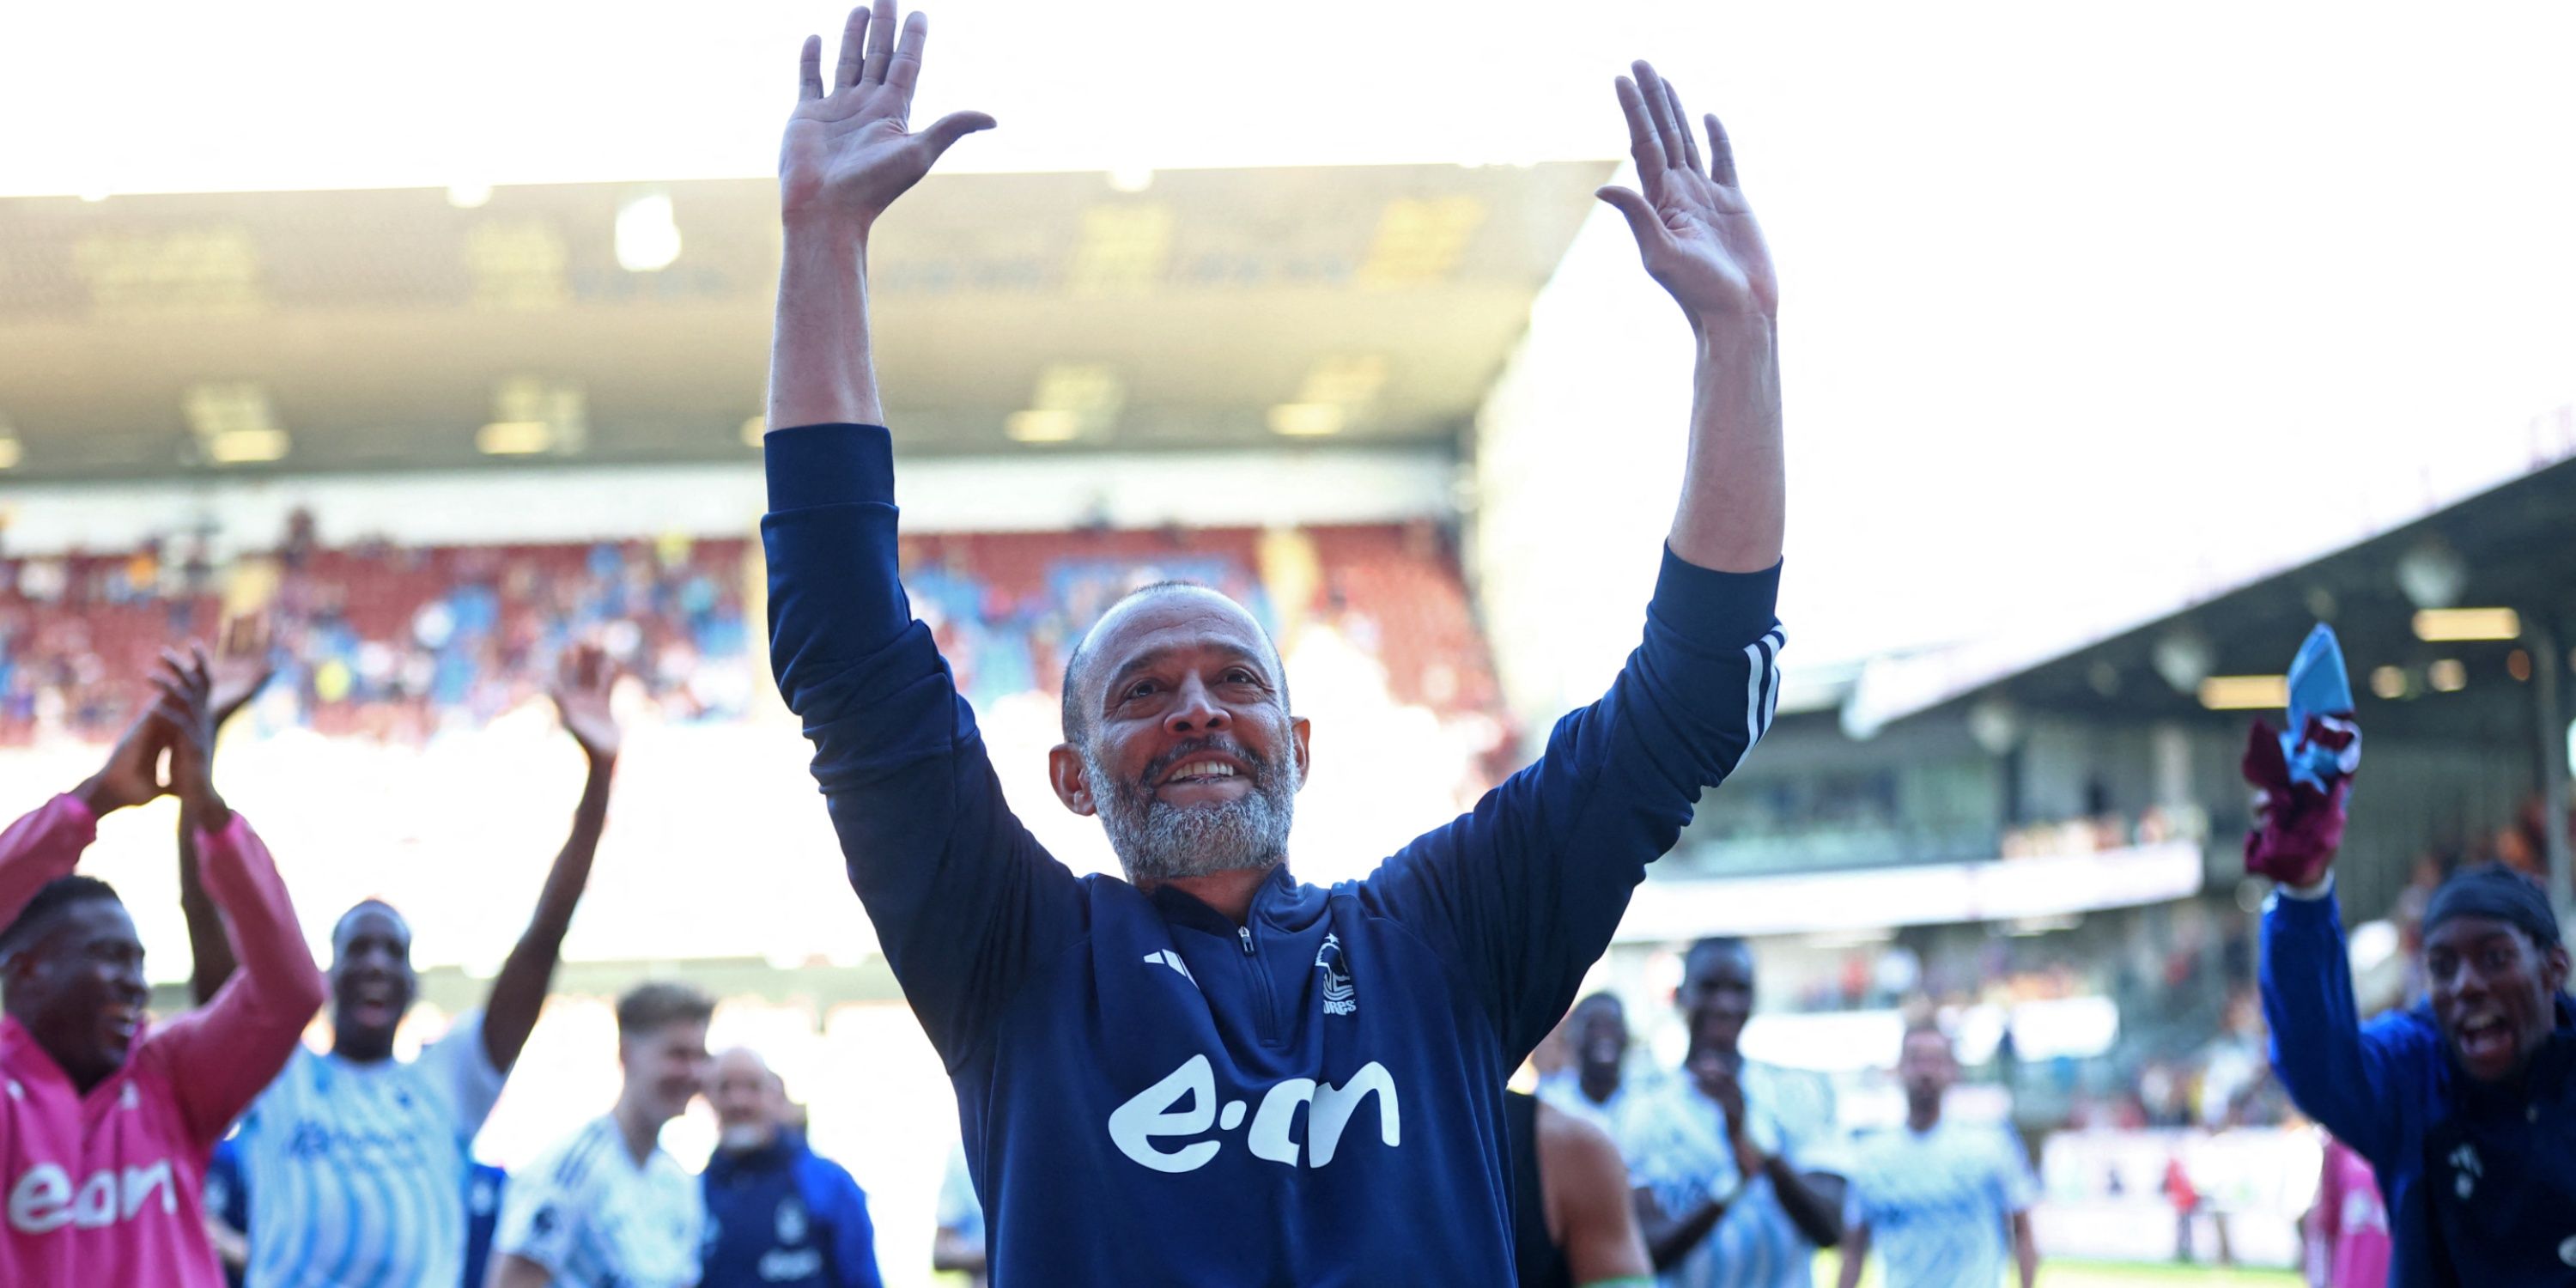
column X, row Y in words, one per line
column 849, row 151
column 240, row 668
column 1700, row 243
column 581, row 692
column 231, row 1047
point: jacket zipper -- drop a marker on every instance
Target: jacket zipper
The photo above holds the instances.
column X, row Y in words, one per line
column 1269, row 1012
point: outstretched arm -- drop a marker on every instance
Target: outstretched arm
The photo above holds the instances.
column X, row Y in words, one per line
column 1700, row 242
column 2336, row 1070
column 847, row 155
column 962, row 898
column 1526, row 891
column 581, row 693
column 230, row 1048
column 240, row 667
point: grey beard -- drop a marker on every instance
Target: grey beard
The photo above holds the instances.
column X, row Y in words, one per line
column 1157, row 841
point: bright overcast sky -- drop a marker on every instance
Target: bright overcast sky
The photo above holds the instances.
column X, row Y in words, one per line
column 2087, row 305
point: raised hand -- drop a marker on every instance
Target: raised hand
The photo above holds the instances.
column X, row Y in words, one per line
column 132, row 775
column 1693, row 228
column 583, row 680
column 851, row 152
column 240, row 667
column 187, row 709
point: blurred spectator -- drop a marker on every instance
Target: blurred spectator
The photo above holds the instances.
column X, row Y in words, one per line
column 1591, row 1085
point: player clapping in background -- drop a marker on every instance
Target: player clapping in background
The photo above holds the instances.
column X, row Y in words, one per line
column 1737, row 1182
column 357, row 1162
column 105, row 1131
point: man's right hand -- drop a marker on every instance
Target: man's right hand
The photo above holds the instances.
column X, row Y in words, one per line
column 187, row 706
column 849, row 153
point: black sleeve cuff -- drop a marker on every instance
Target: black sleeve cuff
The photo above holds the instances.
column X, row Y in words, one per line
column 812, row 465
column 1725, row 609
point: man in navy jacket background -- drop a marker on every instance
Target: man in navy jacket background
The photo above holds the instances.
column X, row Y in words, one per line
column 777, row 1212
column 1210, row 1073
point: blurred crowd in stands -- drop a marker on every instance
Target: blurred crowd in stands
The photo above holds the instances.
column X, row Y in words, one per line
column 401, row 642
column 376, row 639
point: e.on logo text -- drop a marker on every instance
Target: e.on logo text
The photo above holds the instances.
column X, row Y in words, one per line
column 1184, row 1104
column 45, row 1200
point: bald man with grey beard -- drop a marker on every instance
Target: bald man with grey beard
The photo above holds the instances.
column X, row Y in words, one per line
column 1248, row 1078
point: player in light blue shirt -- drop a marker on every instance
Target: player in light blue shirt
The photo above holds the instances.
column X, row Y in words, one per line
column 1938, row 1201
column 359, row 1160
column 1737, row 1172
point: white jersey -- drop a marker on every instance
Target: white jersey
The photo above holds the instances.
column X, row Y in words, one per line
column 1563, row 1092
column 1675, row 1141
column 357, row 1171
column 594, row 1218
column 1938, row 1203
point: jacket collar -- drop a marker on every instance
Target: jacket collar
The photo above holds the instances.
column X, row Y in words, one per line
column 777, row 1155
column 1181, row 908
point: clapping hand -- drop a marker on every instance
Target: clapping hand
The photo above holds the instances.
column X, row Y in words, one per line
column 132, row 775
column 1693, row 227
column 851, row 151
column 186, row 708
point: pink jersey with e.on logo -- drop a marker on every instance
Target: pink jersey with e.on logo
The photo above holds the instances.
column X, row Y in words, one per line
column 105, row 1188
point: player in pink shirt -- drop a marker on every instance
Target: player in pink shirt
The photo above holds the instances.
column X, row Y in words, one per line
column 104, row 1138
column 2348, row 1240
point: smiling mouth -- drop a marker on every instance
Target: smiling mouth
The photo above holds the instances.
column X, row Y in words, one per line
column 2484, row 1039
column 375, row 1004
column 1200, row 771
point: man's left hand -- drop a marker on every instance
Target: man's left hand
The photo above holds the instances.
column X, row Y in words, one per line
column 1693, row 227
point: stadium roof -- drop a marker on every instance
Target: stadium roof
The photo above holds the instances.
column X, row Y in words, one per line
column 2505, row 548
column 400, row 328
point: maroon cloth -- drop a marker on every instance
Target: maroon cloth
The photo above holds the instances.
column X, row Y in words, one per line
column 2298, row 826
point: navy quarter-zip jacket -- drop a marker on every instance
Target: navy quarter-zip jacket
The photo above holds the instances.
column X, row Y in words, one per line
column 1153, row 1095
column 783, row 1216
column 2480, row 1181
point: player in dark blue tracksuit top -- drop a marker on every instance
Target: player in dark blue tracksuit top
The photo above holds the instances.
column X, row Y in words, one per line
column 2465, row 1106
column 1211, row 1074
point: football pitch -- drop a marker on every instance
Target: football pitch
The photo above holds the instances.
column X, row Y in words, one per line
column 2117, row 1274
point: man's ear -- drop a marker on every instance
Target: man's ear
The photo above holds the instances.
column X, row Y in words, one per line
column 1300, row 730
column 2553, row 968
column 1072, row 779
